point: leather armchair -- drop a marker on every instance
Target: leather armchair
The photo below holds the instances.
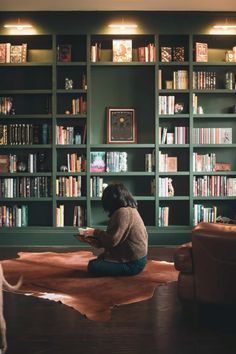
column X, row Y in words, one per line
column 207, row 265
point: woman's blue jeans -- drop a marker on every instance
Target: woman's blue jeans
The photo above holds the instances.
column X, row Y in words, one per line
column 100, row 267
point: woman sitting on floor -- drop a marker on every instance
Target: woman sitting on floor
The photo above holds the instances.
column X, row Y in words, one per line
column 125, row 240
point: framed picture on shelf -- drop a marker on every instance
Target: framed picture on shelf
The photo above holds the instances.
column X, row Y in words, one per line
column 122, row 50
column 121, row 125
column 65, row 52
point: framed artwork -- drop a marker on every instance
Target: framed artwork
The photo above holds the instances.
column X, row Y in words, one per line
column 121, row 125
column 122, row 50
column 65, row 52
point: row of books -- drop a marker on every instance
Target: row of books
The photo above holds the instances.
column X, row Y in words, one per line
column 167, row 163
column 147, row 53
column 163, row 219
column 110, row 161
column 179, row 136
column 207, row 163
column 204, row 213
column 166, row 188
column 175, row 53
column 79, row 105
column 13, row 216
column 76, row 162
column 25, row 134
column 180, row 80
column 212, row 135
column 24, row 187
column 9, row 163
column 77, row 219
column 70, row 135
column 166, row 104
column 97, row 186
column 10, row 53
column 123, row 51
column 214, row 186
column 68, row 186
column 204, row 80
column 204, row 163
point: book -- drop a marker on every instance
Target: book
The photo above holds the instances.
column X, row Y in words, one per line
column 97, row 161
column 122, row 50
column 16, row 54
column 2, row 52
column 166, row 54
column 65, row 52
column 178, row 54
column 171, row 164
column 201, row 52
column 24, row 53
column 226, row 136
column 4, row 163
column 222, row 166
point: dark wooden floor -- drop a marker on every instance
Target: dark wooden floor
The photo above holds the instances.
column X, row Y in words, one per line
column 36, row 326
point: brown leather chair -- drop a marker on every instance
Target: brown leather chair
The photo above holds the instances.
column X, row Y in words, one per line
column 207, row 265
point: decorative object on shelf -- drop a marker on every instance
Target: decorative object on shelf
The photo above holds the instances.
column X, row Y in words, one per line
column 229, row 56
column 95, row 52
column 121, row 125
column 64, row 52
column 200, row 110
column 21, row 166
column 179, row 107
column 201, row 52
column 171, row 191
column 68, row 84
column 122, row 50
column 63, row 168
column 169, row 84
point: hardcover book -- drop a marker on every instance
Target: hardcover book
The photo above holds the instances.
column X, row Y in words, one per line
column 97, row 161
column 201, row 52
column 166, row 54
column 222, row 166
column 226, row 136
column 122, row 50
column 2, row 52
column 16, row 54
column 4, row 163
column 171, row 164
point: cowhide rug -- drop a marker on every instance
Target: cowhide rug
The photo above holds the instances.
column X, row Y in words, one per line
column 63, row 277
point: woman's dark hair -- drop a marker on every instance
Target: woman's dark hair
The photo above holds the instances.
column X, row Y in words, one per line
column 116, row 196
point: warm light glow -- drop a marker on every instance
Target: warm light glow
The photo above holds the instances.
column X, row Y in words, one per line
column 19, row 26
column 122, row 25
column 224, row 27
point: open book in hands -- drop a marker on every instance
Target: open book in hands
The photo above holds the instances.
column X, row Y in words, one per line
column 83, row 236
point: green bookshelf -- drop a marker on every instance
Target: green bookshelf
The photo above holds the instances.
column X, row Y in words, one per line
column 76, row 126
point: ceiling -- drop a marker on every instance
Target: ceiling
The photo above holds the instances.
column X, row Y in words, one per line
column 120, row 5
